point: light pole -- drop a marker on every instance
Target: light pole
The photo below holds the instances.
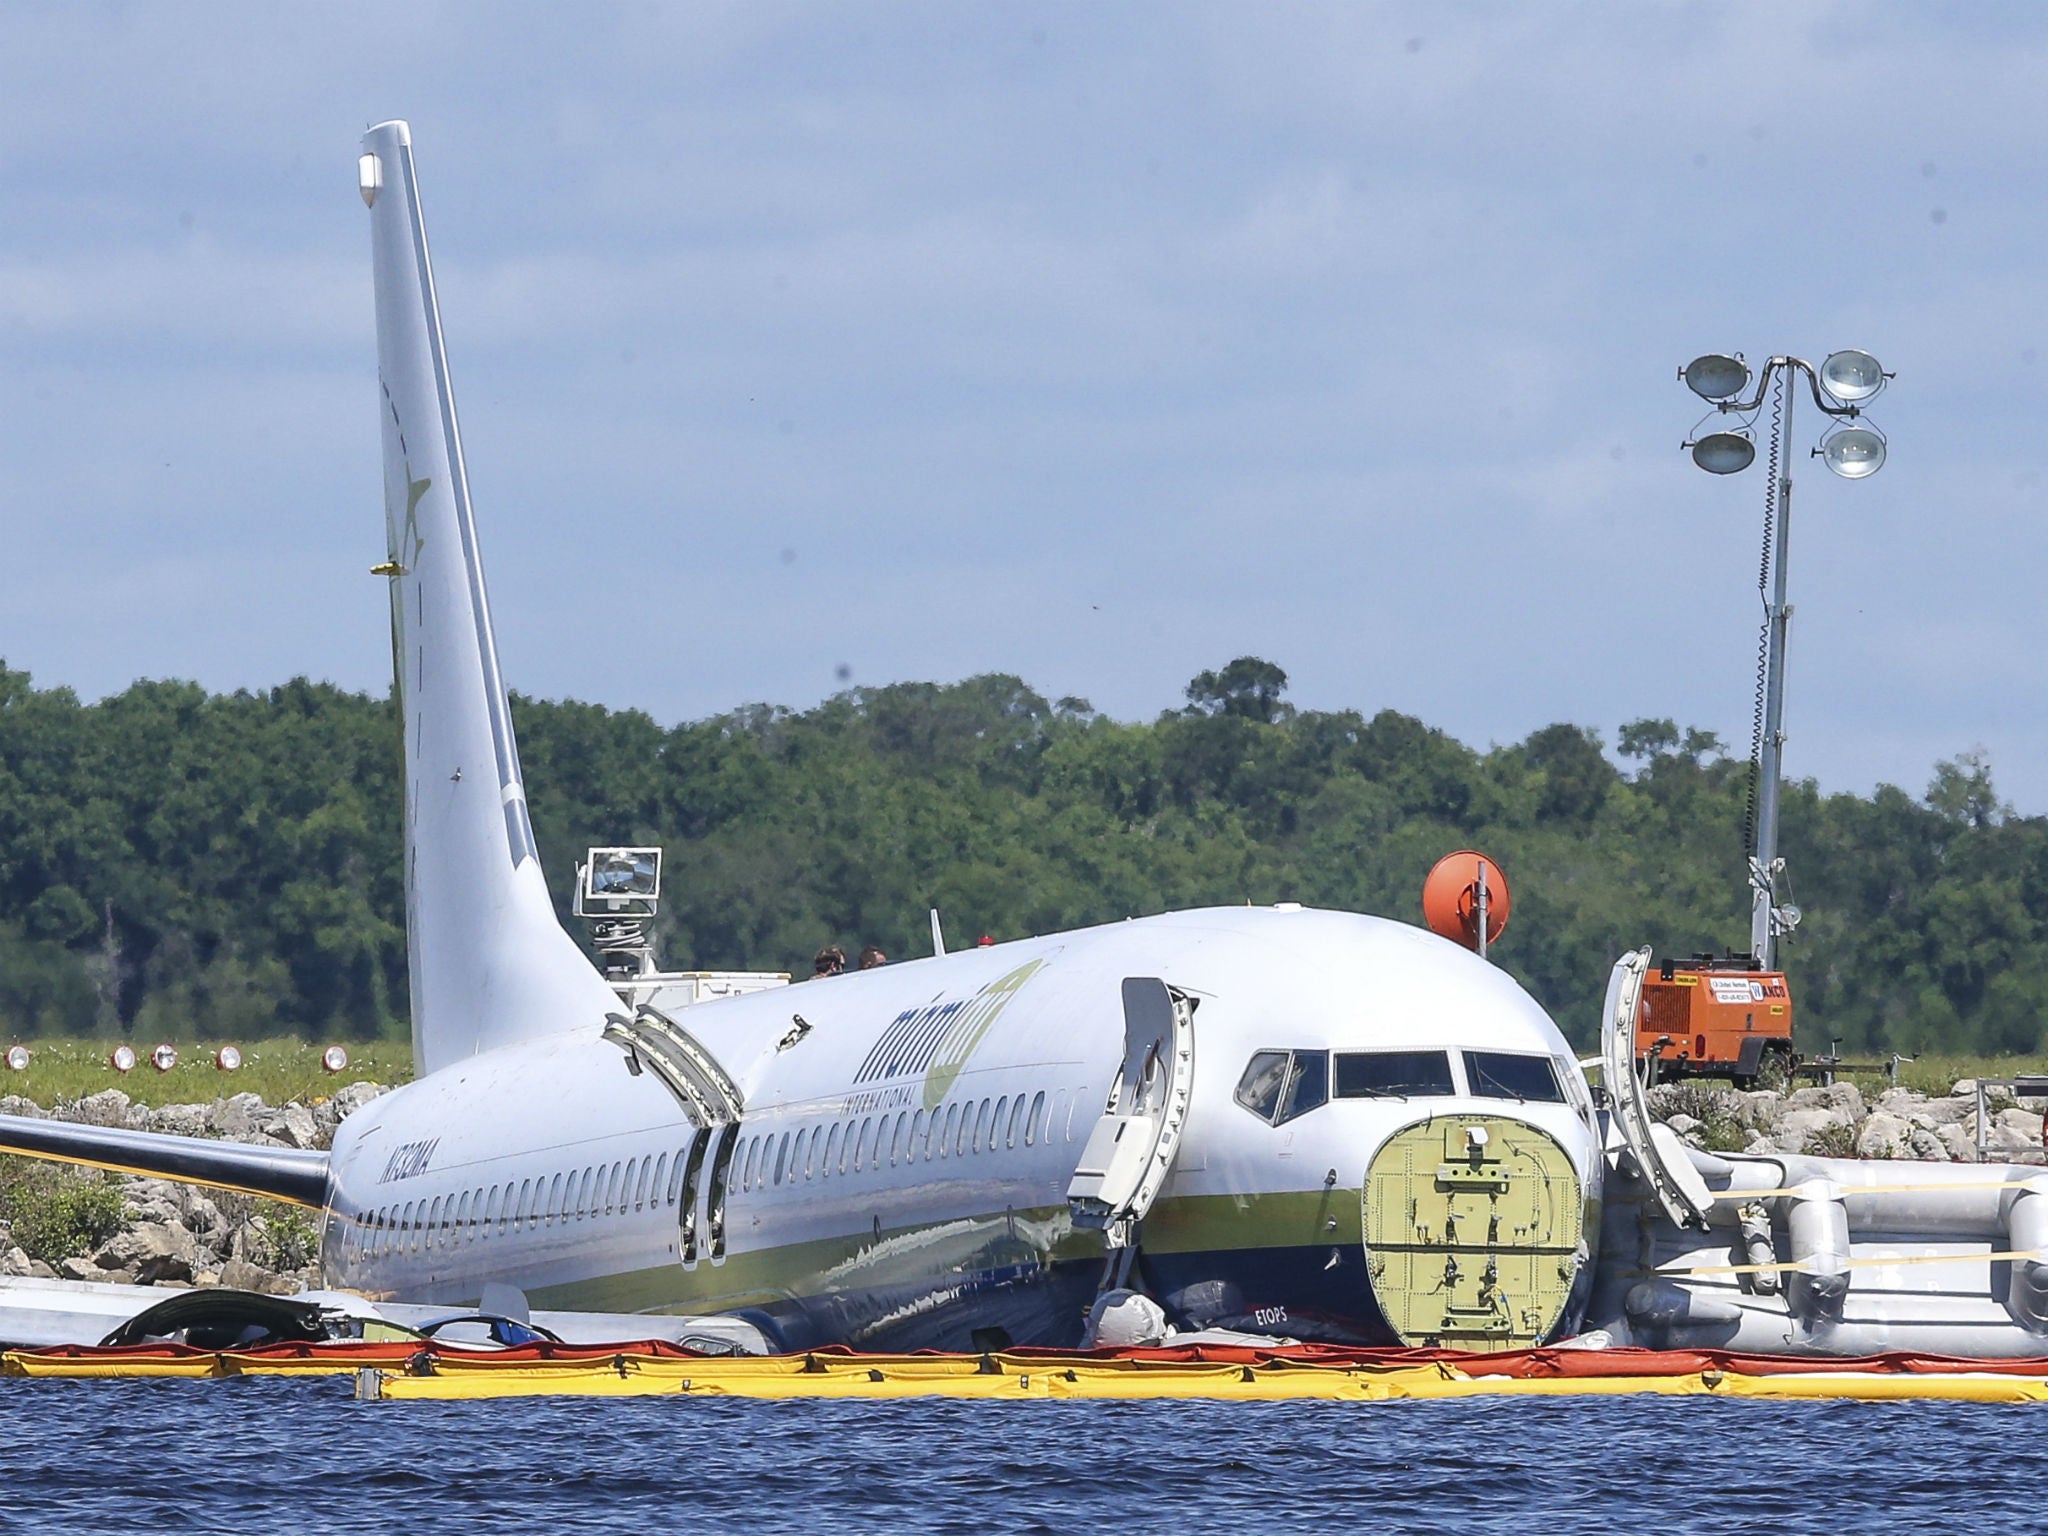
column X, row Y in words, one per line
column 1841, row 387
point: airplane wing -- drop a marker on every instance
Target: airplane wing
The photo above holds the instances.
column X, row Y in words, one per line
column 280, row 1173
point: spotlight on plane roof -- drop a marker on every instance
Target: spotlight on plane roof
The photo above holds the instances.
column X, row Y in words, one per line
column 1853, row 452
column 1851, row 376
column 1716, row 376
column 1724, row 453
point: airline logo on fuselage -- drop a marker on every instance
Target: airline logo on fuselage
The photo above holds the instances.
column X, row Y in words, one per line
column 937, row 1039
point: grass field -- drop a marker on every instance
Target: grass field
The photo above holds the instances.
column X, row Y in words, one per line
column 278, row 1070
column 281, row 1070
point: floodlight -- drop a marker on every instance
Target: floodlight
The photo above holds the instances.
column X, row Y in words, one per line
column 1853, row 452
column 227, row 1059
column 334, row 1059
column 1716, row 376
column 1724, row 453
column 122, row 1059
column 618, row 874
column 17, row 1058
column 164, row 1057
column 1851, row 376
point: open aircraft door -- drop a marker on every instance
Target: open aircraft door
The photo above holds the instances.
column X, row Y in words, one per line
column 1654, row 1148
column 1131, row 1149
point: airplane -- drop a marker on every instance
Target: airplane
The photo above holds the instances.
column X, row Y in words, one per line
column 1313, row 1125
column 1233, row 1111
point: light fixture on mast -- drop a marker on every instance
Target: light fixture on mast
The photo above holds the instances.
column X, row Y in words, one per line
column 1854, row 449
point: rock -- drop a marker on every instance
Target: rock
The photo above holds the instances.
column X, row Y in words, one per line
column 2025, row 1121
column 15, row 1104
column 1844, row 1098
column 201, row 1216
column 1960, row 1141
column 1684, row 1125
column 110, row 1106
column 1884, row 1135
column 78, row 1269
column 1762, row 1108
column 1798, row 1128
column 182, row 1119
column 1965, row 1088
column 354, row 1096
column 293, row 1125
column 14, row 1262
column 154, row 1250
column 41, row 1271
column 1927, row 1145
column 239, row 1118
column 241, row 1275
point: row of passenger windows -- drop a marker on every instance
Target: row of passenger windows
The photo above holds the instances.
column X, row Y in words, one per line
column 447, row 1221
column 962, row 1129
column 1279, row 1086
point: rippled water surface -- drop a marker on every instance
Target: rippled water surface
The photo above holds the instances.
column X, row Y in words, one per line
column 274, row 1455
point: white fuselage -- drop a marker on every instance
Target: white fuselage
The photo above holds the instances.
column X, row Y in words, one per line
column 898, row 1176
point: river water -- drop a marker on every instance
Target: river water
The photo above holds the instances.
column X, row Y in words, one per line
column 275, row 1455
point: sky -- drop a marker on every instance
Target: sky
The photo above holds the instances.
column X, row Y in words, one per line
column 800, row 347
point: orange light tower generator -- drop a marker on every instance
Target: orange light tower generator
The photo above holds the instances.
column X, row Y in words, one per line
column 1731, row 1015
column 1716, row 1016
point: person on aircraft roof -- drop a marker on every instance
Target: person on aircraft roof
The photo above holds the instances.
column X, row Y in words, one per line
column 872, row 956
column 831, row 961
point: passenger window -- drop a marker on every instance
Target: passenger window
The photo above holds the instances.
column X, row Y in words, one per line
column 1503, row 1075
column 1031, row 1119
column 832, row 1150
column 626, row 1189
column 675, row 1174
column 640, row 1185
column 981, row 1136
column 491, row 1209
column 860, row 1149
column 1308, row 1085
column 918, row 1131
column 995, row 1126
column 583, row 1194
column 947, row 1128
column 1016, row 1120
column 749, row 1160
column 660, row 1177
column 525, row 1200
column 1391, row 1074
column 1259, row 1089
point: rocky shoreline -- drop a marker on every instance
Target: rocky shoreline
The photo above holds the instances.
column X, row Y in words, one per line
column 1837, row 1121
column 169, row 1233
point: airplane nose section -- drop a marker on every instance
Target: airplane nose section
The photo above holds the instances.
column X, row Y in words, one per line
column 1473, row 1231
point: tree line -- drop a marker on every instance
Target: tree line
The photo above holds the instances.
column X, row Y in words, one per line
column 179, row 864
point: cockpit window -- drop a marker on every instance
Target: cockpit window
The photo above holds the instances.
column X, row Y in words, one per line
column 1308, row 1085
column 1392, row 1074
column 1499, row 1075
column 1259, row 1089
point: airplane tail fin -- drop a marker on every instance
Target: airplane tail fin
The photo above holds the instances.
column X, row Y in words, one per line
column 490, row 963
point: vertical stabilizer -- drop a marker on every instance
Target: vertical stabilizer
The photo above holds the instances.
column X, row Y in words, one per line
column 490, row 962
